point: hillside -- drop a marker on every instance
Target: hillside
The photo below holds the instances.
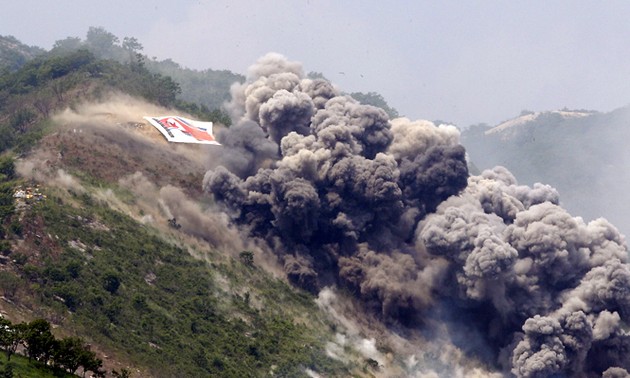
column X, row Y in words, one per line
column 582, row 154
column 114, row 242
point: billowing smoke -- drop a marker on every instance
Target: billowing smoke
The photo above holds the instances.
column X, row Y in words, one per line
column 245, row 149
column 557, row 286
column 386, row 209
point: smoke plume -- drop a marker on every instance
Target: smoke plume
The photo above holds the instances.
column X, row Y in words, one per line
column 386, row 209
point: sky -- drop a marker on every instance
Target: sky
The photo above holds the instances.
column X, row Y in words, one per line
column 460, row 62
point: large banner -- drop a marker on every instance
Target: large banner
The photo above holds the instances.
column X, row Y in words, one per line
column 183, row 130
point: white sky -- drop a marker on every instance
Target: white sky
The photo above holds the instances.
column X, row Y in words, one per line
column 460, row 61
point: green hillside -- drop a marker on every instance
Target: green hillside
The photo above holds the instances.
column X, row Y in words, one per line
column 88, row 251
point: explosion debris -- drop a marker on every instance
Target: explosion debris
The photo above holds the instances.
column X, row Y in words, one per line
column 386, row 208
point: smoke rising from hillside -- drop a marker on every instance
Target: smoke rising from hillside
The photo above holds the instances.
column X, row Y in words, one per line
column 118, row 117
column 387, row 210
column 115, row 121
column 112, row 107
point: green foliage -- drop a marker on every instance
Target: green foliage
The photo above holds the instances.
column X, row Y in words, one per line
column 208, row 88
column 20, row 366
column 130, row 290
column 45, row 68
column 9, row 283
column 133, row 47
column 39, row 340
column 32, row 92
column 68, row 45
column 40, row 345
column 101, row 41
column 51, row 81
column 21, row 119
column 137, row 80
column 111, row 282
column 7, row 168
column 7, row 202
column 202, row 113
column 67, row 353
column 16, row 228
column 11, row 335
column 375, row 99
column 163, row 309
column 8, row 371
column 8, row 225
column 247, row 258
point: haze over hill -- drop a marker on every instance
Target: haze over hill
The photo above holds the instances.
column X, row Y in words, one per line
column 408, row 265
column 581, row 153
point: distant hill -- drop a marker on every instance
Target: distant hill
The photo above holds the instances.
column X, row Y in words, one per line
column 581, row 153
column 13, row 53
column 209, row 87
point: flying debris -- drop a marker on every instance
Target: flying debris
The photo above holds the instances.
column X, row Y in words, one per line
column 183, row 130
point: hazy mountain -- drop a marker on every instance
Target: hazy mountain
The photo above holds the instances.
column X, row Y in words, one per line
column 13, row 53
column 581, row 153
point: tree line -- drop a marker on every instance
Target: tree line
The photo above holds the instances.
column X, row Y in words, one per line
column 68, row 354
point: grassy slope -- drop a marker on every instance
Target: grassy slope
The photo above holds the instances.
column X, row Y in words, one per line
column 22, row 367
column 142, row 299
column 129, row 291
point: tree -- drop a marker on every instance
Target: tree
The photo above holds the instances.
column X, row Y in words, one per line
column 111, row 282
column 64, row 46
column 247, row 258
column 100, row 41
column 88, row 360
column 375, row 99
column 39, row 340
column 9, row 283
column 164, row 90
column 11, row 335
column 67, row 353
column 7, row 202
column 133, row 47
column 43, row 102
column 7, row 168
column 22, row 119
